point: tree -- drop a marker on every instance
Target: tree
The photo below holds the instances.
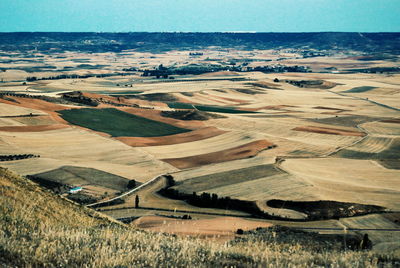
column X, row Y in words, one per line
column 366, row 243
column 131, row 184
column 136, row 201
column 214, row 199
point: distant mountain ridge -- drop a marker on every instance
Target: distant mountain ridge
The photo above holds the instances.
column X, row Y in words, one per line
column 159, row 42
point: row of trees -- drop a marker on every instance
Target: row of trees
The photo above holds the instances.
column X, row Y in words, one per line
column 279, row 69
column 75, row 76
column 13, row 157
column 214, row 201
column 164, row 72
column 78, row 97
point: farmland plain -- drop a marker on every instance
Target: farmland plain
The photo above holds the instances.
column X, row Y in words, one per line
column 233, row 138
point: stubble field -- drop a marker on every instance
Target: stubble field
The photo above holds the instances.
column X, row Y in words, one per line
column 272, row 136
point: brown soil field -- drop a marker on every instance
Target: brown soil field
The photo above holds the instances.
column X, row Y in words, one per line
column 33, row 128
column 330, row 108
column 331, row 131
column 221, row 226
column 396, row 121
column 245, row 151
column 195, row 135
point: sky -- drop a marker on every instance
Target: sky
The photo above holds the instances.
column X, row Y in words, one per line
column 199, row 15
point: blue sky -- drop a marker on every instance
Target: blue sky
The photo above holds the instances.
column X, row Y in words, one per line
column 200, row 15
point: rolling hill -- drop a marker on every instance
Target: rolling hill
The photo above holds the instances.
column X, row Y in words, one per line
column 40, row 229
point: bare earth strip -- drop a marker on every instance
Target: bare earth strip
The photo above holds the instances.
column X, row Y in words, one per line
column 332, row 131
column 195, row 135
column 221, row 226
column 33, row 128
column 248, row 150
column 218, row 143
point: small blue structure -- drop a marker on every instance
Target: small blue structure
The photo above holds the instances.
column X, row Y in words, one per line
column 75, row 190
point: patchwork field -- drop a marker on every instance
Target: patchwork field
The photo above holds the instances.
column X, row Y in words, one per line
column 242, row 146
column 77, row 147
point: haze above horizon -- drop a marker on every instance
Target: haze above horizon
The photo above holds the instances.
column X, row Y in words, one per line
column 199, row 16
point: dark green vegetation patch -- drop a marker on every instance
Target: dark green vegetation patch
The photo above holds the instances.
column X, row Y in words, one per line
column 324, row 209
column 390, row 163
column 70, row 175
column 359, row 89
column 390, row 157
column 157, row 97
column 202, row 183
column 207, row 108
column 118, row 123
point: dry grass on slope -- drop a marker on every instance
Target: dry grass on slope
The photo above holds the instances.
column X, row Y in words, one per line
column 38, row 229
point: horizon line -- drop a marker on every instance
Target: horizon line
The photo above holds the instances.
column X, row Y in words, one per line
column 201, row 32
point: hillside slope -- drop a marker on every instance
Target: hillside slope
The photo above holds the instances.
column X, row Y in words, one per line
column 39, row 229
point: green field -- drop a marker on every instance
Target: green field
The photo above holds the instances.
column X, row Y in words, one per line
column 207, row 108
column 390, row 157
column 359, row 89
column 118, row 123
